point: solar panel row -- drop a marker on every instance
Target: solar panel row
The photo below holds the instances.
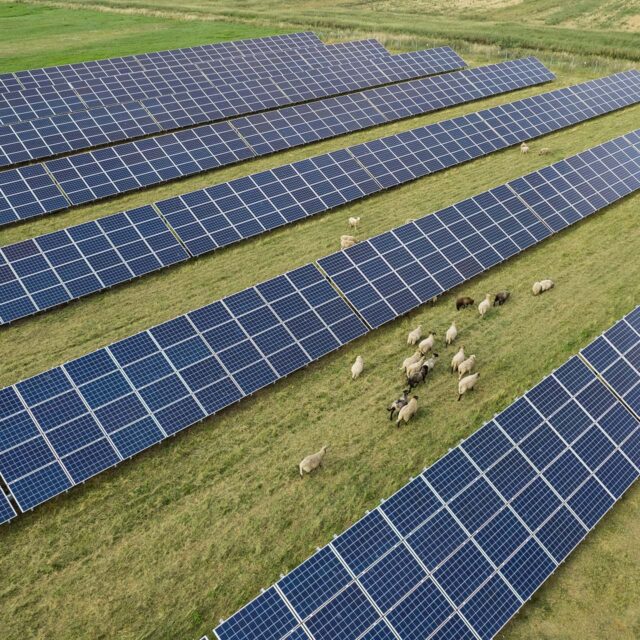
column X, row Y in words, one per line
column 390, row 274
column 115, row 66
column 39, row 102
column 456, row 552
column 133, row 165
column 61, row 427
column 251, row 334
column 212, row 218
column 217, row 99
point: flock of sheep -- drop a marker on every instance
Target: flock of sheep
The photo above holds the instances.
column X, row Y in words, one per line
column 417, row 367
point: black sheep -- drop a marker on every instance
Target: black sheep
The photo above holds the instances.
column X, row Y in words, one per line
column 464, row 302
column 396, row 405
column 501, row 298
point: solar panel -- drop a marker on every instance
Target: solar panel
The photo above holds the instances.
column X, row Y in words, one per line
column 264, row 133
column 6, row 509
column 63, row 426
column 57, row 267
column 457, row 551
column 390, row 274
column 28, row 192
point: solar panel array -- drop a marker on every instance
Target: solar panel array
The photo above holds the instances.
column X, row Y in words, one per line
column 456, row 552
column 390, row 274
column 382, row 277
column 97, row 174
column 110, row 121
column 115, row 66
column 263, row 333
column 64, row 426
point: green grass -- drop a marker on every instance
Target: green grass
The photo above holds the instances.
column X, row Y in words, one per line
column 166, row 544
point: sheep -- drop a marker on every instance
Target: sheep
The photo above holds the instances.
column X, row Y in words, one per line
column 466, row 384
column 427, row 344
column 407, row 362
column 451, row 334
column 484, row 306
column 312, row 462
column 347, row 241
column 544, row 151
column 501, row 298
column 418, row 376
column 408, row 411
column 357, row 367
column 524, row 148
column 463, row 302
column 466, row 366
column 543, row 285
column 414, row 368
column 396, row 405
column 430, row 363
column 457, row 359
column 414, row 335
column 354, row 222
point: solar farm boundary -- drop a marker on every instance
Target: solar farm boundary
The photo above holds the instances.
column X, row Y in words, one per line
column 35, row 308
column 259, row 150
column 302, row 36
column 316, row 267
column 314, row 102
column 497, row 568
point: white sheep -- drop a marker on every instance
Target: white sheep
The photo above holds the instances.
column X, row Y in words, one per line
column 412, row 369
column 347, row 241
column 544, row 151
column 354, row 222
column 524, row 148
column 414, row 335
column 543, row 285
column 466, row 366
column 452, row 333
column 407, row 362
column 408, row 411
column 430, row 363
column 484, row 306
column 357, row 367
column 457, row 359
column 312, row 462
column 466, row 384
column 427, row 344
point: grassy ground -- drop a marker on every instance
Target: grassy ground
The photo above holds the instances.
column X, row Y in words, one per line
column 166, row 544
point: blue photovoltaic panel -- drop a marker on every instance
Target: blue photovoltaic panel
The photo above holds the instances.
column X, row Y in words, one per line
column 63, row 426
column 28, row 192
column 57, row 267
column 226, row 213
column 390, row 274
column 489, row 526
column 121, row 168
column 6, row 509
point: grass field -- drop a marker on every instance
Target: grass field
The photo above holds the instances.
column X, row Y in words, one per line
column 164, row 545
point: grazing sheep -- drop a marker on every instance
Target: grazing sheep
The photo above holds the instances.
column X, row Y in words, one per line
column 417, row 376
column 407, row 362
column 463, row 302
column 357, row 367
column 354, row 222
column 466, row 384
column 466, row 366
column 396, row 405
column 544, row 151
column 427, row 344
column 457, row 360
column 414, row 368
column 347, row 241
column 408, row 411
column 414, row 335
column 501, row 298
column 430, row 363
column 312, row 462
column 524, row 148
column 451, row 334
column 484, row 306
column 543, row 285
